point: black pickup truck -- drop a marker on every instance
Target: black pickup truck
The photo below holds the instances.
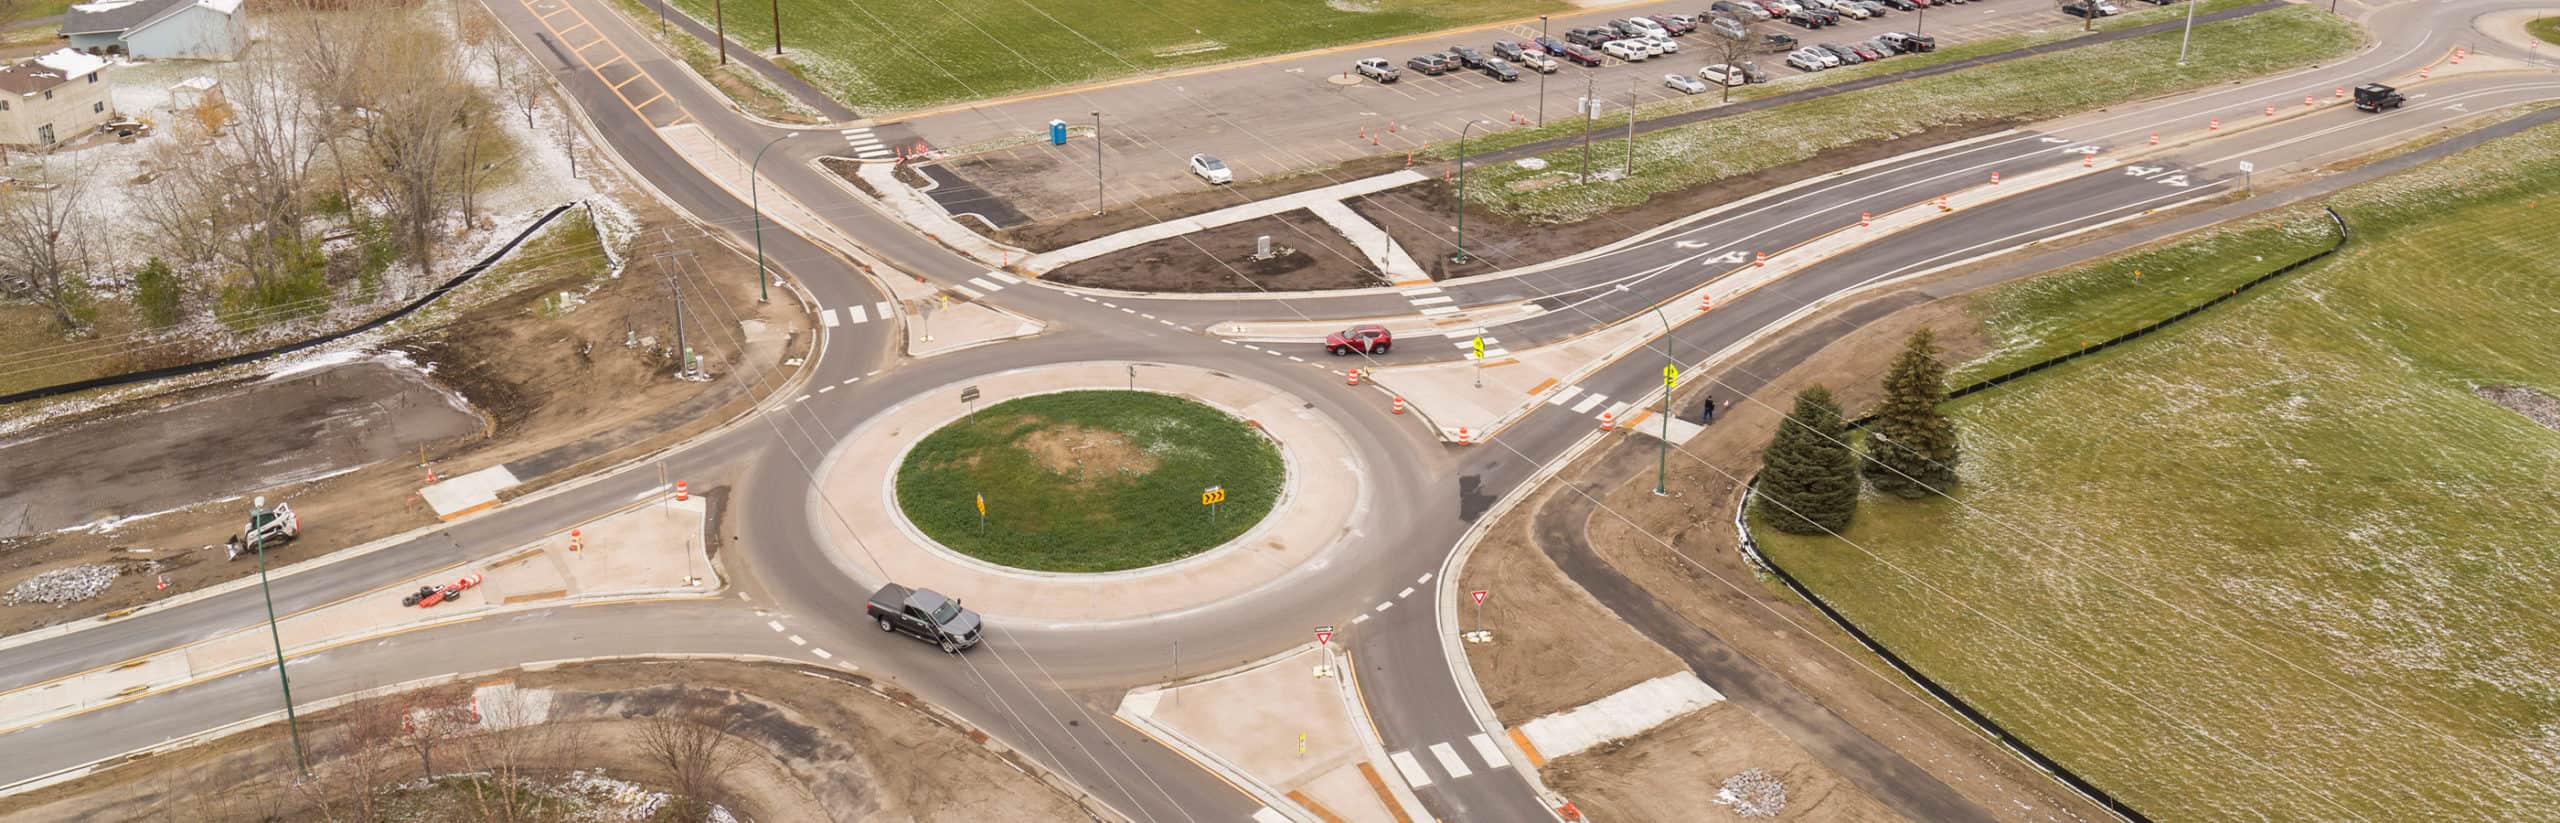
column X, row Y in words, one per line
column 926, row 615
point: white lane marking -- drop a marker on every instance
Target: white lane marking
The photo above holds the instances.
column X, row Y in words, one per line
column 1420, row 291
column 1618, row 411
column 983, row 285
column 1386, row 604
column 1449, row 760
column 1492, row 754
column 827, row 318
column 1297, row 358
column 871, row 372
column 855, row 314
column 1253, row 347
column 1150, row 317
column 797, row 640
column 776, row 625
column 966, row 291
column 1429, row 301
column 1010, row 279
column 1558, row 398
column 1266, row 815
column 654, row 490
column 1588, row 401
column 1408, row 592
column 825, row 389
column 1127, row 310
column 1361, row 619
column 800, row 398
column 1463, row 334
column 1437, row 311
column 822, row 654
column 1107, row 304
column 1411, row 769
column 847, row 381
column 1088, row 299
column 883, row 309
column 1425, row 578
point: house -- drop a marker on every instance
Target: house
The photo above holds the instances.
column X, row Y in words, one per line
column 52, row 98
column 155, row 29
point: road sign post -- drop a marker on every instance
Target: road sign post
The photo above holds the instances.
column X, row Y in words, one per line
column 1479, row 358
column 969, row 397
column 2247, row 189
column 1480, row 595
column 982, row 512
column 1211, row 497
column 1324, row 635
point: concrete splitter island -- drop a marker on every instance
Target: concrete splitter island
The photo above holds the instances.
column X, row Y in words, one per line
column 855, row 502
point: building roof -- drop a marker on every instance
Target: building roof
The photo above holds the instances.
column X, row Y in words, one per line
column 117, row 16
column 37, row 74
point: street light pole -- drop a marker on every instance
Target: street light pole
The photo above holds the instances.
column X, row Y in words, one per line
column 2191, row 31
column 1631, row 129
column 1662, row 457
column 1097, row 164
column 1542, row 76
column 1590, row 106
column 258, row 543
column 755, row 205
column 1461, row 257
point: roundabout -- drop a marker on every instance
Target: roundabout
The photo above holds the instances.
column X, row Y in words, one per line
column 1093, row 476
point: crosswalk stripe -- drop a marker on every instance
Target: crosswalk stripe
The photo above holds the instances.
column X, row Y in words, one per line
column 966, row 291
column 1005, row 277
column 855, row 314
column 1420, row 292
column 827, row 318
column 1588, row 401
column 1558, row 398
column 1492, row 754
column 1491, row 352
column 1618, row 410
column 883, row 308
column 1426, row 301
column 1411, row 769
column 1436, row 311
column 1449, row 760
column 983, row 285
column 1463, row 334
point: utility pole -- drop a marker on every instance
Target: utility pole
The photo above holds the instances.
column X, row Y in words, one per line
column 1631, row 130
column 670, row 263
column 1590, row 104
column 1542, row 76
column 2191, row 31
column 258, row 543
column 2089, row 14
column 662, row 18
column 721, row 25
column 777, row 28
column 1461, row 257
column 1097, row 164
column 1662, row 457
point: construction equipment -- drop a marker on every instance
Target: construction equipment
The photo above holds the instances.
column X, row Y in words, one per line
column 267, row 528
column 448, row 592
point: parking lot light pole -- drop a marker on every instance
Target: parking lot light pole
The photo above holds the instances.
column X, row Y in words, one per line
column 2191, row 32
column 1921, row 26
column 1542, row 76
column 1461, row 257
column 258, row 543
column 1662, row 457
column 763, row 293
column 1097, row 164
column 1631, row 129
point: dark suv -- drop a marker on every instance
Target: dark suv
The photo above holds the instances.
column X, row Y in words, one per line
column 1907, row 42
column 1590, row 38
column 1467, row 57
column 1507, row 50
column 1430, row 64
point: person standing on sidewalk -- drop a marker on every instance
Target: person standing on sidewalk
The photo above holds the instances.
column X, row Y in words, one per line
column 1707, row 411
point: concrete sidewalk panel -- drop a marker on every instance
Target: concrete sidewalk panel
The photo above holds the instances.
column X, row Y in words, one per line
column 1629, row 712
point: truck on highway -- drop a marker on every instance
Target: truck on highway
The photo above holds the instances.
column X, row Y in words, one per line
column 925, row 615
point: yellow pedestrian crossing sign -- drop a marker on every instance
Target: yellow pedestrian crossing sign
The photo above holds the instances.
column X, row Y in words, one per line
column 1479, row 347
column 1671, row 375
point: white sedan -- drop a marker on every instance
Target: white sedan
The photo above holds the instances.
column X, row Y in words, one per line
column 1685, row 83
column 1723, row 75
column 1211, row 169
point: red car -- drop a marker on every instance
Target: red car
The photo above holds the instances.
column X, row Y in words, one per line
column 1364, row 339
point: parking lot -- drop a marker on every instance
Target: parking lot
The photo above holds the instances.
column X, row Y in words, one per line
column 1282, row 115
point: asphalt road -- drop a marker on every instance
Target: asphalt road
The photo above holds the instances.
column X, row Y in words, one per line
column 1046, row 689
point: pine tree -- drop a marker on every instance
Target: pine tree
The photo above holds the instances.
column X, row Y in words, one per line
column 157, row 293
column 1913, row 451
column 1808, row 475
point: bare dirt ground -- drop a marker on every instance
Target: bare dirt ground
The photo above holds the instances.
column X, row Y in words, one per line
column 1676, row 771
column 1553, row 647
column 560, row 393
column 821, row 745
column 1308, row 255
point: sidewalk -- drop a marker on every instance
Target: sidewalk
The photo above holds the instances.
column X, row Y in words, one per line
column 1460, row 395
column 651, row 550
column 1625, row 714
column 1279, row 726
column 1046, row 262
column 1309, row 521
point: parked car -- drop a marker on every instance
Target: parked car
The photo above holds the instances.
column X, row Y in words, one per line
column 1722, row 75
column 1907, row 42
column 1730, row 28
column 1625, row 50
column 1581, row 54
column 1367, row 338
column 1508, row 50
column 1740, row 10
column 1538, row 61
column 1776, row 12
column 1212, row 169
column 1643, row 27
column 1867, row 52
column 1676, row 24
column 1805, row 19
column 1778, row 43
column 1827, row 16
column 1829, row 60
column 1874, row 7
column 1786, row 5
column 1684, row 84
column 1882, row 48
column 1848, row 56
column 1751, row 71
column 1806, row 60
column 1377, row 68
column 1430, row 64
column 1590, row 38
column 1667, row 45
column 2085, row 8
column 1500, row 69
column 1840, row 7
column 1467, row 57
column 1551, row 45
column 1901, row 5
column 1525, row 55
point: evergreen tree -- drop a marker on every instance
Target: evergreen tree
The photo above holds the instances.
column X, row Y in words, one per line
column 1912, row 452
column 157, row 293
column 1808, row 475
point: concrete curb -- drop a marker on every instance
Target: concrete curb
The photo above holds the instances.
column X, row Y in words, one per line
column 1235, row 776
column 1372, row 744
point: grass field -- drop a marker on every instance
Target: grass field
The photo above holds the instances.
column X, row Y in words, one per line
column 1089, row 481
column 888, row 55
column 2278, row 562
column 2547, row 28
column 2020, row 90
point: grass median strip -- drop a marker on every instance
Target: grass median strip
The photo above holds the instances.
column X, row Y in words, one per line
column 903, row 54
column 1089, row 481
column 2289, row 560
column 2020, row 90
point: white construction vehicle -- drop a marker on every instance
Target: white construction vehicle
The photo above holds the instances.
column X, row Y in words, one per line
column 267, row 528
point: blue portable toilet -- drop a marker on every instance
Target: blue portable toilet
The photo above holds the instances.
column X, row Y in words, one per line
column 1057, row 132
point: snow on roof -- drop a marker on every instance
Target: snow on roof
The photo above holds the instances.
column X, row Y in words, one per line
column 101, row 6
column 72, row 63
column 223, row 6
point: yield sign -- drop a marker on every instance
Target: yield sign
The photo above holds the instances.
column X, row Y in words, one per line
column 1324, row 635
column 1480, row 595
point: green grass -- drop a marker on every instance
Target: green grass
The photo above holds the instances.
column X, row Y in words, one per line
column 886, row 55
column 2547, row 28
column 2277, row 562
column 1096, row 516
column 2020, row 90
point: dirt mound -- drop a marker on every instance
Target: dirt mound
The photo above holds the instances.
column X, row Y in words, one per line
column 2534, row 405
column 1087, row 454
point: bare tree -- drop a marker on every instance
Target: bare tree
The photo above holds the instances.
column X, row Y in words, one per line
column 354, row 763
column 44, row 249
column 1733, row 51
column 517, row 745
column 264, row 159
column 694, row 744
column 415, row 131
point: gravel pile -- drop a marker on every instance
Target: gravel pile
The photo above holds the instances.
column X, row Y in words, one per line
column 2534, row 405
column 59, row 586
column 1753, row 794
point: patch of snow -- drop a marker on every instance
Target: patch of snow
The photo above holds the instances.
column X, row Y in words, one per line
column 101, row 6
column 1531, row 163
column 72, row 63
column 291, row 365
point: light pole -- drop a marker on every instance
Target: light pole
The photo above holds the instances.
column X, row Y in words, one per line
column 1097, row 164
column 258, row 543
column 1631, row 129
column 755, row 205
column 1460, row 258
column 2191, row 31
column 1921, row 26
column 1662, row 458
column 1542, row 76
